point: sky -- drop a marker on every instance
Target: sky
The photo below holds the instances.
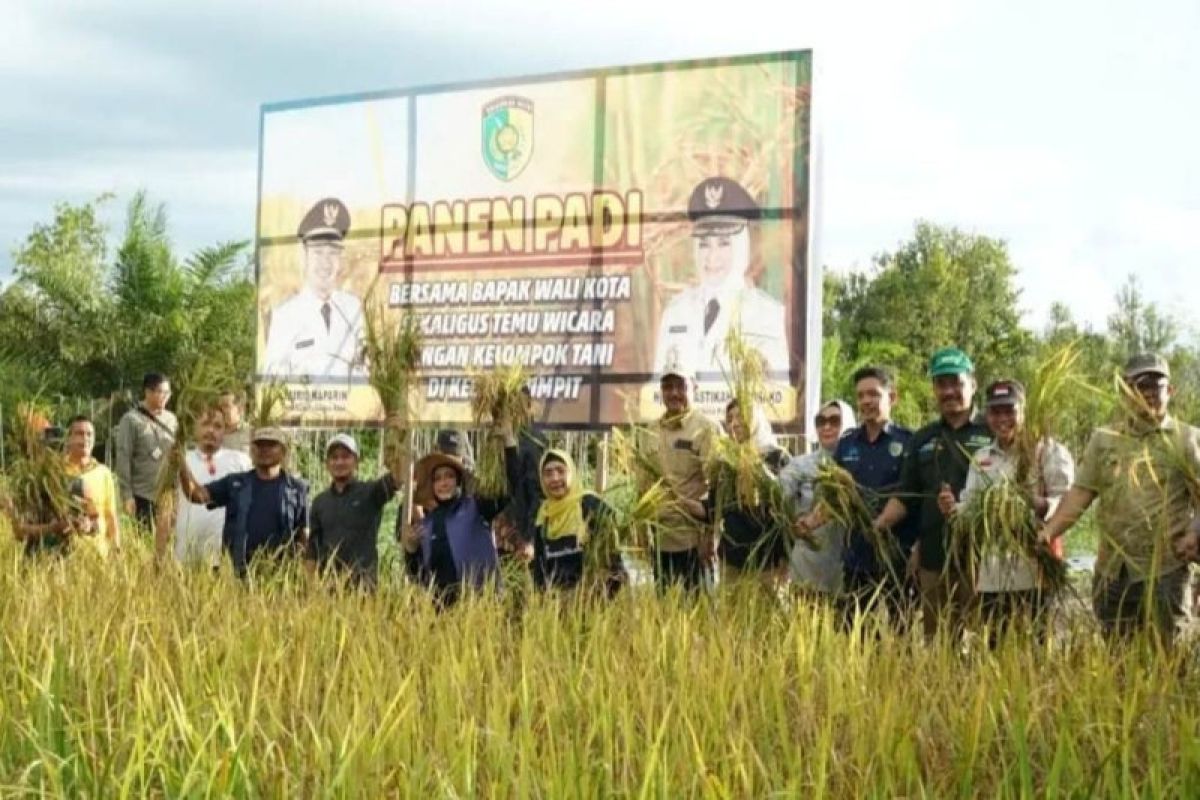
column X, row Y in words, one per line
column 1068, row 128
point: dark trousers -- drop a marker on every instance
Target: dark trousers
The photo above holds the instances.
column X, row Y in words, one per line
column 864, row 592
column 1125, row 606
column 1005, row 612
column 683, row 568
column 144, row 512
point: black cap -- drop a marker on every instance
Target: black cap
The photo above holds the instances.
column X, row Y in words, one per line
column 450, row 441
column 1146, row 364
column 328, row 220
column 718, row 203
column 1004, row 393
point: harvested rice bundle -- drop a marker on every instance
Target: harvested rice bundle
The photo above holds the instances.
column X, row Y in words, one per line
column 839, row 499
column 37, row 481
column 742, row 481
column 392, row 355
column 200, row 390
column 1056, row 387
column 1000, row 520
column 498, row 400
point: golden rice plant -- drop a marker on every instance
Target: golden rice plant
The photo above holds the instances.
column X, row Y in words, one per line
column 392, row 355
column 200, row 387
column 1054, row 391
column 497, row 398
column 1000, row 519
column 839, row 499
column 37, row 485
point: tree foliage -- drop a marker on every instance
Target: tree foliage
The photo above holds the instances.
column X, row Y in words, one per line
column 82, row 323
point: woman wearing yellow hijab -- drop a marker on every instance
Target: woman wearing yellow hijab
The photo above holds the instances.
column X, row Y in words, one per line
column 567, row 521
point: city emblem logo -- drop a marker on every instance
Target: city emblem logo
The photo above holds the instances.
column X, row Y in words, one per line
column 507, row 135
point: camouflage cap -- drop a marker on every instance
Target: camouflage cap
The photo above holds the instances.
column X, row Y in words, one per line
column 1146, row 364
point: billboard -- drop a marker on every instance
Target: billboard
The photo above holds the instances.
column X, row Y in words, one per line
column 593, row 226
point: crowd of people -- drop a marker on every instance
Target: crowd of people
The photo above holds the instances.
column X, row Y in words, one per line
column 237, row 500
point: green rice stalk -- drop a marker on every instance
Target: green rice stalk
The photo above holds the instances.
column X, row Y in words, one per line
column 497, row 398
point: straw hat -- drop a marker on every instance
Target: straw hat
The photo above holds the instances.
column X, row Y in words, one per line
column 423, row 472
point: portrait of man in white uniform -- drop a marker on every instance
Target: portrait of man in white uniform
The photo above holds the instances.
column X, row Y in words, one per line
column 695, row 321
column 318, row 331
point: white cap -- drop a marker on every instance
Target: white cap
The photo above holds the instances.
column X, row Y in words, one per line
column 342, row 440
column 674, row 364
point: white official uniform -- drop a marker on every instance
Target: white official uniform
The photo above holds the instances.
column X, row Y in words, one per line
column 763, row 323
column 298, row 343
column 197, row 527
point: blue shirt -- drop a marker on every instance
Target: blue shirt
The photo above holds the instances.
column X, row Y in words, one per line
column 876, row 469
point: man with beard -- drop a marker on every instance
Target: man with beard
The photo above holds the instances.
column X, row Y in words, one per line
column 937, row 459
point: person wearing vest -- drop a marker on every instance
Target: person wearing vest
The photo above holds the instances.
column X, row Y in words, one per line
column 449, row 543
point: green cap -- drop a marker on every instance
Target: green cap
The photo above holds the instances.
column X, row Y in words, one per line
column 950, row 361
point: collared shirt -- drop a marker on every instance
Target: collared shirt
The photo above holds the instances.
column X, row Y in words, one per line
column 761, row 318
column 937, row 454
column 684, row 447
column 1145, row 476
column 300, row 343
column 197, row 528
column 876, row 467
column 1052, row 476
column 142, row 443
column 344, row 526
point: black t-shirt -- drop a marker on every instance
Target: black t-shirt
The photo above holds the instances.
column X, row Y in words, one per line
column 344, row 525
column 937, row 454
column 263, row 521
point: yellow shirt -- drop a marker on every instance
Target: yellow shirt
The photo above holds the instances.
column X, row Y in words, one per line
column 100, row 487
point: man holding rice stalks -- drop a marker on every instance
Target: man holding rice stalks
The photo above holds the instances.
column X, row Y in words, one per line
column 266, row 508
column 938, row 458
column 144, row 437
column 96, row 486
column 43, row 504
column 1145, row 470
column 344, row 519
column 997, row 510
column 197, row 530
column 684, row 543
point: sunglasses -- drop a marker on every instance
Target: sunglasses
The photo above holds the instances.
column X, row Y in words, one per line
column 822, row 420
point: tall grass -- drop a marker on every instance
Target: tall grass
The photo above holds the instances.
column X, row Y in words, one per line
column 120, row 680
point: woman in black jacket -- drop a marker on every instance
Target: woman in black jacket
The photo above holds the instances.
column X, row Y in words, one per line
column 568, row 523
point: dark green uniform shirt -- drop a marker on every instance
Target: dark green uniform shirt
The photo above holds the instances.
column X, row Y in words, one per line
column 937, row 454
column 344, row 527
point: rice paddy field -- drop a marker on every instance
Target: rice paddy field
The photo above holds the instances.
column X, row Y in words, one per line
column 122, row 679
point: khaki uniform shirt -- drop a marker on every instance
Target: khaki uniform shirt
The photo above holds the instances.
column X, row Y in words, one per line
column 1146, row 479
column 684, row 446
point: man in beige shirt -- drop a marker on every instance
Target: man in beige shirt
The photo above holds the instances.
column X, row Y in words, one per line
column 686, row 543
column 1145, row 470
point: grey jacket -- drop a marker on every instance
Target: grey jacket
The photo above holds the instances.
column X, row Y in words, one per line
column 142, row 444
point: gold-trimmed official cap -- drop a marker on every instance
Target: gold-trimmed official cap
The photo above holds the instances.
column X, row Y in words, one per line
column 720, row 205
column 327, row 221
